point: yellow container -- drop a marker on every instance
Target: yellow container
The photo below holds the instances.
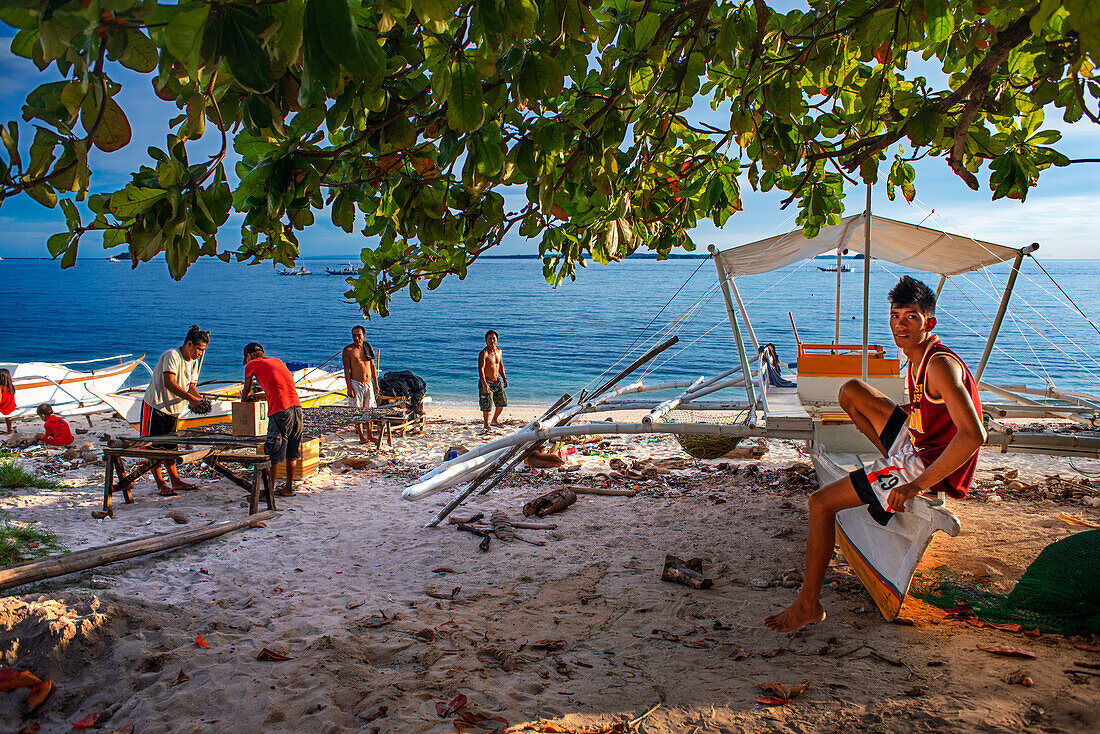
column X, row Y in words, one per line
column 307, row 465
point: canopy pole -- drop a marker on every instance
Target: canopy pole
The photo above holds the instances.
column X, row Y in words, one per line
column 745, row 315
column 866, row 275
column 839, row 262
column 724, row 282
column 939, row 287
column 1002, row 308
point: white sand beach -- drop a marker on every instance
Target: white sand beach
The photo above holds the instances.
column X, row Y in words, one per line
column 573, row 631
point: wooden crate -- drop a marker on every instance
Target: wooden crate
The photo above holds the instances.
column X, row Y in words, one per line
column 250, row 419
column 307, row 465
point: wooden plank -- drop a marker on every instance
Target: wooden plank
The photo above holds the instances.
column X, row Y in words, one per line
column 183, row 457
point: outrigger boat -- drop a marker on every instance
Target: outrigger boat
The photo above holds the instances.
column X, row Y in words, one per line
column 345, row 269
column 805, row 408
column 315, row 386
column 69, row 390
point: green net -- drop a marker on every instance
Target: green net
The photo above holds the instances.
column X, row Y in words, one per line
column 1059, row 592
column 701, row 446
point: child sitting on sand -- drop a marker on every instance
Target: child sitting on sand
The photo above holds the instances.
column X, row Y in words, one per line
column 57, row 430
column 7, row 397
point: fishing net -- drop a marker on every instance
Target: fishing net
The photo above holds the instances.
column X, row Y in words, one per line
column 701, row 446
column 1059, row 592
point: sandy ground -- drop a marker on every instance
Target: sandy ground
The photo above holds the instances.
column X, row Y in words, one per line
column 383, row 619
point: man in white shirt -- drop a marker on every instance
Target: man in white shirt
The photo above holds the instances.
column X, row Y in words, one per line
column 172, row 390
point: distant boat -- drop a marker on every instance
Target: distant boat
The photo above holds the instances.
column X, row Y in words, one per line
column 118, row 259
column 843, row 269
column 301, row 270
column 345, row 269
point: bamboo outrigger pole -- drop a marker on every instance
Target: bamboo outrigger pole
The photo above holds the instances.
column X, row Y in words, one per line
column 1003, row 307
column 724, row 282
column 866, row 275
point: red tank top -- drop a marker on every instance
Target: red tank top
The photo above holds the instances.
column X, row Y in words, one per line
column 930, row 424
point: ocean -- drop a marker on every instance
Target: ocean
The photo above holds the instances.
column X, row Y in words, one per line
column 553, row 341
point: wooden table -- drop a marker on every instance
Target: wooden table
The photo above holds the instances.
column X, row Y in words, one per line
column 216, row 451
column 394, row 415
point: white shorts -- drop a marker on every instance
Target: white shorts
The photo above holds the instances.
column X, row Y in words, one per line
column 902, row 464
column 362, row 394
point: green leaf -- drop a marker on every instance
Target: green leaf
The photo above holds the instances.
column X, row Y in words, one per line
column 645, row 30
column 134, row 200
column 465, row 108
column 246, row 58
column 140, row 54
column 183, row 35
column 939, row 23
column 113, row 132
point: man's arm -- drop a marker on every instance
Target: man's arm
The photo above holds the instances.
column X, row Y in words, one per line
column 347, row 370
column 173, row 387
column 482, row 361
column 372, row 360
column 247, row 389
column 500, row 363
column 945, row 376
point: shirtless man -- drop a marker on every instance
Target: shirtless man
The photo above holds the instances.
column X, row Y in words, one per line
column 930, row 446
column 491, row 380
column 361, row 377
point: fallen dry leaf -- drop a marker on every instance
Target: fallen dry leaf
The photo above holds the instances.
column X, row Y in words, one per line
column 201, row 642
column 445, row 569
column 1080, row 522
column 38, row 694
column 258, row 524
column 773, row 701
column 87, row 722
column 436, row 594
column 354, row 604
column 547, row 644
column 271, row 656
column 448, row 709
column 1010, row 627
column 11, row 679
column 181, row 678
column 784, row 690
column 1033, row 633
column 1010, row 652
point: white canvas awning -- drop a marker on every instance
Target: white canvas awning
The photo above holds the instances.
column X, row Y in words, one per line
column 904, row 244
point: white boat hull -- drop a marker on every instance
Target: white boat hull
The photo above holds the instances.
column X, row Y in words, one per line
column 70, row 392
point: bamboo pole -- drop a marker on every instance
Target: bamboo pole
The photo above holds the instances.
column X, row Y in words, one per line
column 996, row 328
column 744, row 315
column 866, row 277
column 670, row 404
column 723, row 281
column 62, row 564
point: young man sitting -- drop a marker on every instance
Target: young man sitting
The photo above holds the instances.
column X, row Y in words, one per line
column 930, row 446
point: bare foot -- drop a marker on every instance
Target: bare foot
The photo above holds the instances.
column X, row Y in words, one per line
column 497, row 425
column 183, row 486
column 795, row 616
column 166, row 491
column 284, row 492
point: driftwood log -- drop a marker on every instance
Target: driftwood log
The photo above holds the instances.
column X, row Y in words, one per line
column 605, row 491
column 550, row 503
column 688, row 573
column 60, row 565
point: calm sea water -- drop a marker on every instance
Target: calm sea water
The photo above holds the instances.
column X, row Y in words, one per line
column 553, row 340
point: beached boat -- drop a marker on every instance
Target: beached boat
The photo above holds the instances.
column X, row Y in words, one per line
column 805, row 406
column 316, row 388
column 69, row 390
column 345, row 269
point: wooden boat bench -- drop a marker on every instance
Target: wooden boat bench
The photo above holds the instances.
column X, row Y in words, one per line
column 219, row 457
column 396, row 418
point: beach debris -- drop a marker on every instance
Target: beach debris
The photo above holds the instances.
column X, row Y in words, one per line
column 1011, row 652
column 444, row 569
column 38, row 694
column 475, row 721
column 374, row 622
column 485, row 533
column 1019, row 677
column 270, row 656
column 780, row 694
column 100, row 514
column 179, row 517
column 87, row 722
column 609, row 492
column 467, row 520
column 549, row 503
column 688, row 573
column 550, row 645
column 181, row 678
column 453, row 452
column 1076, row 520
column 353, row 462
column 450, row 708
column 354, row 604
column 502, row 527
column 11, row 679
column 435, row 593
column 201, row 642
column 538, row 459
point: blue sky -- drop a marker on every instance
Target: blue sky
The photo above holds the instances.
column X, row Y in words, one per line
column 1059, row 214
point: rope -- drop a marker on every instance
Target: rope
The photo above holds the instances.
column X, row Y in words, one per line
column 1068, row 298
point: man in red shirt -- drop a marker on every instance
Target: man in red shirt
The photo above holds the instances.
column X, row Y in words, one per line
column 284, row 411
column 931, row 445
column 57, row 430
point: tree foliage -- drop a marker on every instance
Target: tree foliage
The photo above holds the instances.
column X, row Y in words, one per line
column 436, row 127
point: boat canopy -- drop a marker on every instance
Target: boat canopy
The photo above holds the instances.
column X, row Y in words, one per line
column 897, row 242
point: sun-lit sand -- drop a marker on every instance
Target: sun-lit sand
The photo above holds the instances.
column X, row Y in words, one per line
column 383, row 619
